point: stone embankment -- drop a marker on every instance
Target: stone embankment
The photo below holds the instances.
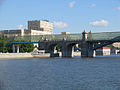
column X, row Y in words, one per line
column 15, row 55
column 20, row 55
column 28, row 55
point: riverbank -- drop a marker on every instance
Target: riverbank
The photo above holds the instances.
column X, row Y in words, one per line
column 21, row 55
column 15, row 55
column 28, row 55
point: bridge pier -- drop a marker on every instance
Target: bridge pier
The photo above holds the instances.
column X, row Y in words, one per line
column 53, row 52
column 14, row 48
column 67, row 51
column 86, row 49
column 18, row 48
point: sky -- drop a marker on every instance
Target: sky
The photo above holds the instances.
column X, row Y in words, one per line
column 72, row 16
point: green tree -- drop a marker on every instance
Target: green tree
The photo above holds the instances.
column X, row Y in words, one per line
column 3, row 43
column 26, row 47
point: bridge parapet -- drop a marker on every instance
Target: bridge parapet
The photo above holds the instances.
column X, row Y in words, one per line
column 105, row 36
column 57, row 37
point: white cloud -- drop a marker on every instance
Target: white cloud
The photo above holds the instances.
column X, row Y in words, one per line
column 93, row 5
column 72, row 4
column 118, row 8
column 20, row 26
column 60, row 24
column 100, row 23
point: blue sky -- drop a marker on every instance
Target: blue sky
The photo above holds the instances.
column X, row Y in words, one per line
column 67, row 15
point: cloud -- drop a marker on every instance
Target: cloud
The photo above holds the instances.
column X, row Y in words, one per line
column 20, row 26
column 60, row 24
column 99, row 23
column 72, row 4
column 118, row 8
column 93, row 5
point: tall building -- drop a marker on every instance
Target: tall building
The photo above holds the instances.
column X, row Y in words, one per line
column 34, row 28
column 40, row 27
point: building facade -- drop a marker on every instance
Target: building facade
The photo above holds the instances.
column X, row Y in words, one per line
column 65, row 33
column 103, row 51
column 34, row 28
column 117, row 44
column 45, row 26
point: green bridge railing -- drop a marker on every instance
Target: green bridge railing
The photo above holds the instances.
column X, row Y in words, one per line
column 105, row 35
column 93, row 36
column 36, row 38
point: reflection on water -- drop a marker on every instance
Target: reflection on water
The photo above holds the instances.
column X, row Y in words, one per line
column 101, row 73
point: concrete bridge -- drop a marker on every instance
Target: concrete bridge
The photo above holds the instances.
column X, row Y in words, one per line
column 88, row 42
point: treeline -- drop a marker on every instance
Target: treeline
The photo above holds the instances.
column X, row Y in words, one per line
column 5, row 47
column 3, row 43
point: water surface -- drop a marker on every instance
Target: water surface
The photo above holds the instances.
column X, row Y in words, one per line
column 101, row 73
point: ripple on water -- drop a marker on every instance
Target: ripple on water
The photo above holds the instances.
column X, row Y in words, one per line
column 99, row 73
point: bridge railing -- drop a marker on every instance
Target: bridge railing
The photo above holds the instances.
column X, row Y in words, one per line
column 104, row 35
column 36, row 38
column 93, row 36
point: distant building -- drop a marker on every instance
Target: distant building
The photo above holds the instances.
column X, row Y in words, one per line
column 34, row 28
column 117, row 44
column 103, row 51
column 115, row 51
column 11, row 33
column 40, row 27
column 65, row 33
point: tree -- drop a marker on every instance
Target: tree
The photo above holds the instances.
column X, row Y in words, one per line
column 4, row 47
column 3, row 42
column 26, row 47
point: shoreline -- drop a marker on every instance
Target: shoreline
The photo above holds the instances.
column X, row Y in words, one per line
column 21, row 55
column 26, row 55
column 15, row 55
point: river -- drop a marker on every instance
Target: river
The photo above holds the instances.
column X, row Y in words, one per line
column 100, row 73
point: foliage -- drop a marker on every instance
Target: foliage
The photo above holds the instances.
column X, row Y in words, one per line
column 3, row 42
column 58, row 48
column 26, row 47
column 4, row 47
column 112, row 47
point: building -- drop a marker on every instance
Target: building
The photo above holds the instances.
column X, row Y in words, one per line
column 115, row 51
column 103, row 51
column 11, row 33
column 40, row 27
column 117, row 44
column 34, row 28
column 65, row 33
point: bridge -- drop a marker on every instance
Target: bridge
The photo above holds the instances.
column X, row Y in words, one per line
column 88, row 42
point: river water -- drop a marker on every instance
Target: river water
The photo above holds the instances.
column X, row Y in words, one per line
column 100, row 73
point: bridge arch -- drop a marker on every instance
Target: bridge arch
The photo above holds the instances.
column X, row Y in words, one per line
column 68, row 49
column 52, row 46
column 52, row 49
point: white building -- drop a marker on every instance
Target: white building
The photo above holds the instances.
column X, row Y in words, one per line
column 103, row 51
column 34, row 28
column 117, row 44
column 40, row 27
column 65, row 33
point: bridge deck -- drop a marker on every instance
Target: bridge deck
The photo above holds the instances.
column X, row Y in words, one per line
column 93, row 36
